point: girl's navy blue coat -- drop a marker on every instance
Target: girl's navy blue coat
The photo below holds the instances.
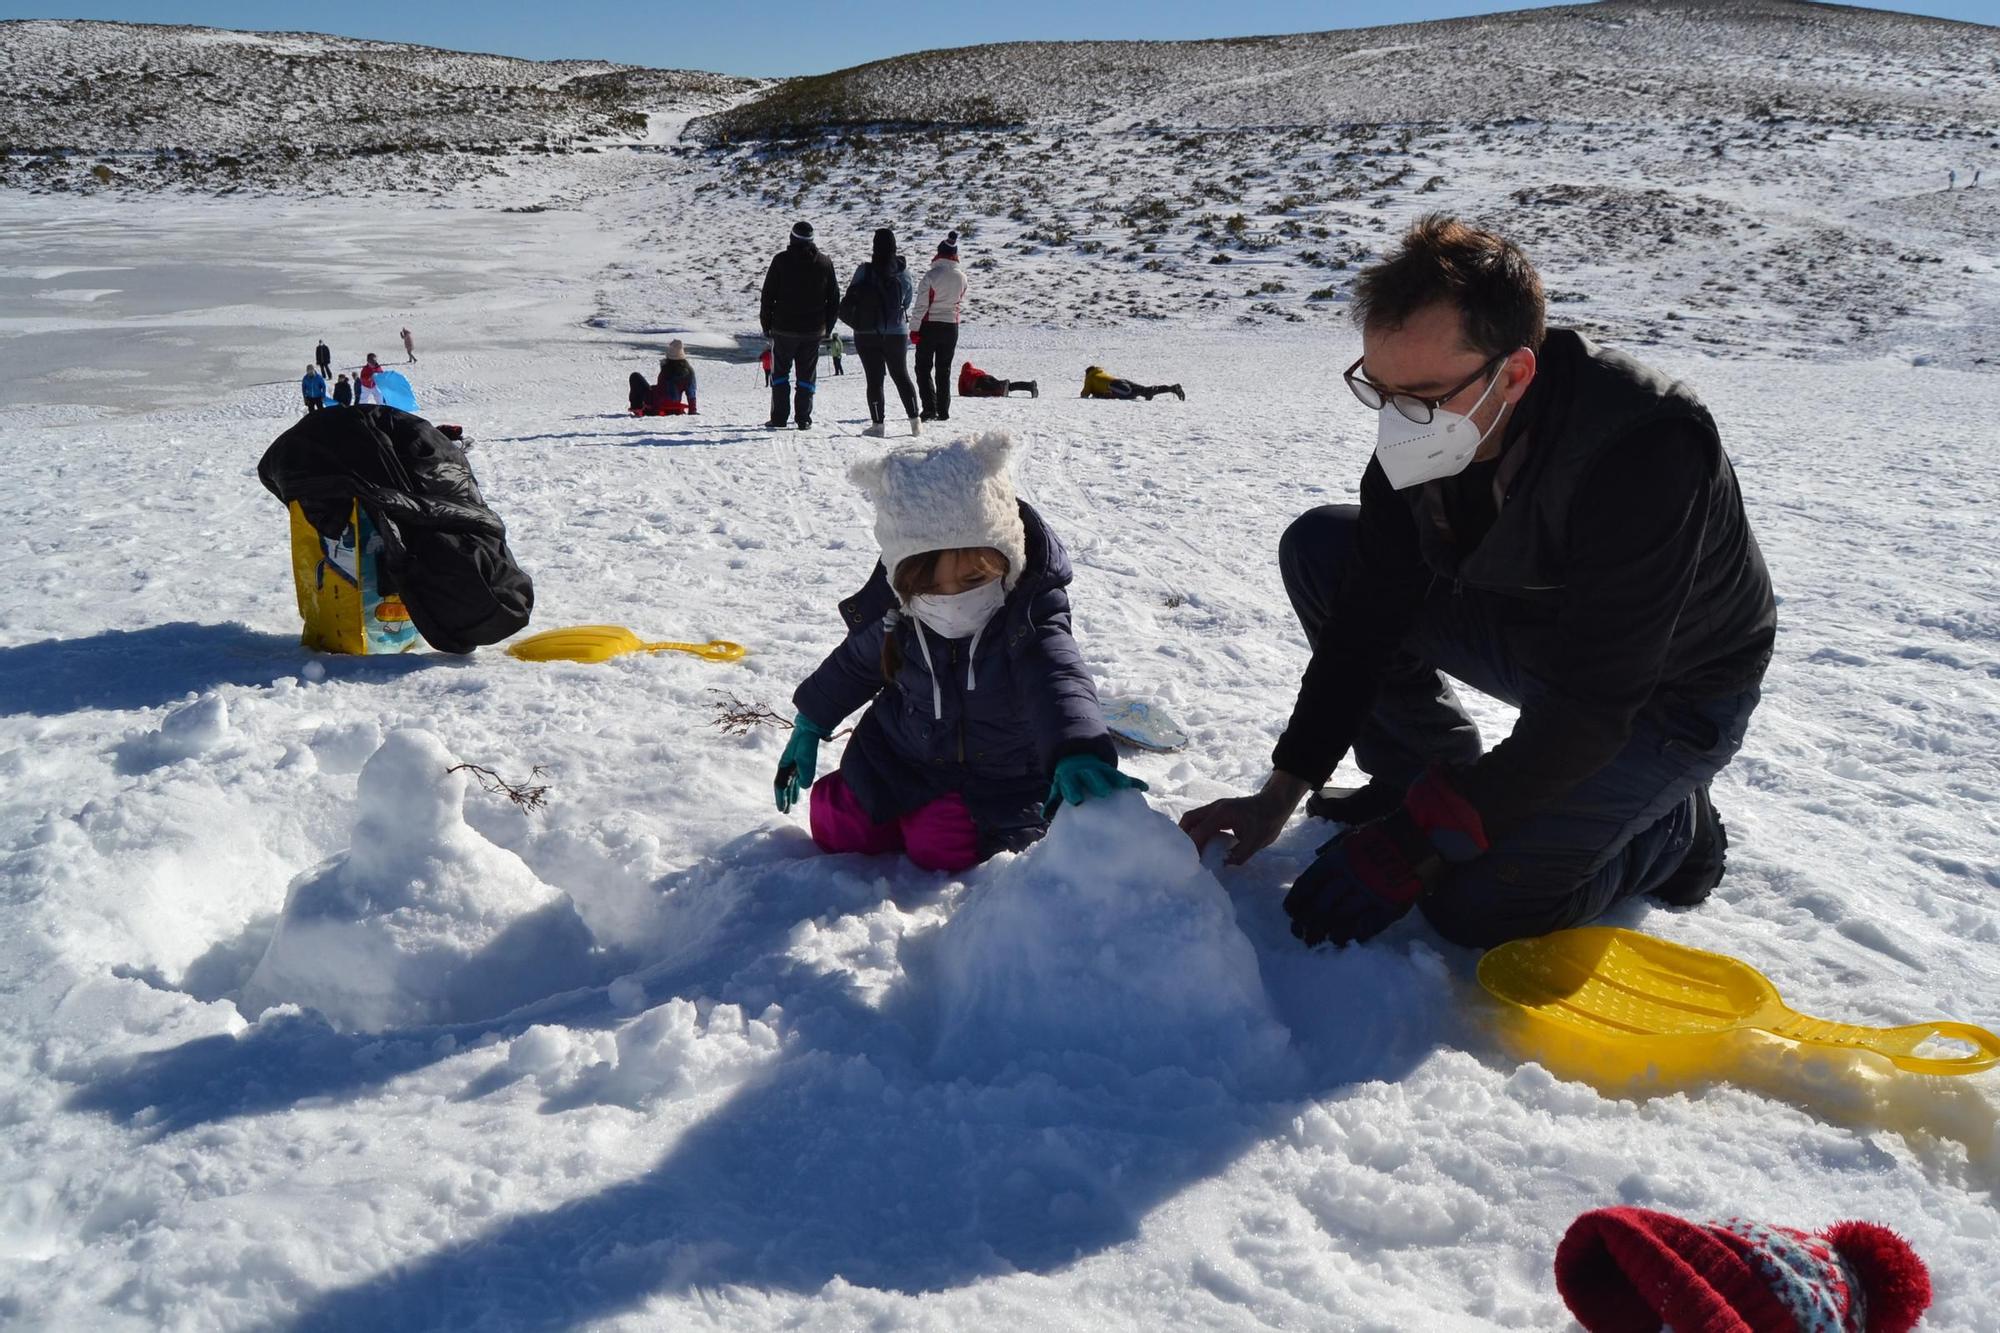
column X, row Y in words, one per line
column 995, row 725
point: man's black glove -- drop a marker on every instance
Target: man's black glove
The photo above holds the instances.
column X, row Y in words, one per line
column 1367, row 878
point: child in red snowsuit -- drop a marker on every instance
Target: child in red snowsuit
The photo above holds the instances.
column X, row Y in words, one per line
column 976, row 383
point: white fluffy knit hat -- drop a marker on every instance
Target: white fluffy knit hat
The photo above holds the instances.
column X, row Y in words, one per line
column 937, row 497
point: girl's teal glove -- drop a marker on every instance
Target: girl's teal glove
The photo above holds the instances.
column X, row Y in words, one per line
column 1083, row 777
column 799, row 762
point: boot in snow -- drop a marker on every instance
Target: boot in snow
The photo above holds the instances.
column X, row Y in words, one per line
column 916, row 428
column 1034, row 389
column 1178, row 392
column 877, row 430
column 1701, row 869
column 781, row 407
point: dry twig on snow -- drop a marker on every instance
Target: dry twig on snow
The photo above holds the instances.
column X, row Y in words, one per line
column 529, row 795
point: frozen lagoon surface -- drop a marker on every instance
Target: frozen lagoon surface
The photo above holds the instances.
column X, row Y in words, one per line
column 113, row 305
column 1095, row 1085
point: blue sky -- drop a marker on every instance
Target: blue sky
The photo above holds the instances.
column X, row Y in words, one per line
column 774, row 37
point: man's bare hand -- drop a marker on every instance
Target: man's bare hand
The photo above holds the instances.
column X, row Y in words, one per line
column 1254, row 821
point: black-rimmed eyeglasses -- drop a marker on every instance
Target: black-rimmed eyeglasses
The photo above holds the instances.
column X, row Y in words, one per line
column 1419, row 410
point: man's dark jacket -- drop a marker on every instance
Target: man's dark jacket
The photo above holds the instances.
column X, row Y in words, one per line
column 994, row 741
column 800, row 293
column 1607, row 545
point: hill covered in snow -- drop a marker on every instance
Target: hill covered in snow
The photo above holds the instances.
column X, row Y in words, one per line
column 142, row 106
column 1748, row 177
column 1614, row 61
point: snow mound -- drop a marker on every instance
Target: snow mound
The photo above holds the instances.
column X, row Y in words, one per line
column 1105, row 942
column 422, row 920
column 673, row 1051
column 192, row 729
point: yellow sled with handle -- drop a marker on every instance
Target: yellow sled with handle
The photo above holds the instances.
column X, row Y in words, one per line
column 601, row 643
column 1611, row 1004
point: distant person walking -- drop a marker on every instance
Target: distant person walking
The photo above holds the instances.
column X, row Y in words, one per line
column 800, row 301
column 837, row 349
column 343, row 392
column 313, row 387
column 1952, row 181
column 323, row 359
column 878, row 306
column 939, row 298
column 409, row 348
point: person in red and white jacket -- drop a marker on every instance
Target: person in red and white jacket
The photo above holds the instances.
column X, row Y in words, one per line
column 939, row 297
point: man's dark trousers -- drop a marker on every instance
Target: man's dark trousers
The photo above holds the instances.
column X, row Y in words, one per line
column 793, row 354
column 936, row 345
column 1622, row 831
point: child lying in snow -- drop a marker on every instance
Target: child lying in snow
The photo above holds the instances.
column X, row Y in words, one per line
column 976, row 383
column 983, row 717
column 1101, row 383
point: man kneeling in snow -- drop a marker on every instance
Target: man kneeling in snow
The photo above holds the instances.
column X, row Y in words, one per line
column 1556, row 525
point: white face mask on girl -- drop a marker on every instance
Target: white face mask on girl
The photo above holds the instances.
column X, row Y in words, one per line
column 1413, row 453
column 960, row 615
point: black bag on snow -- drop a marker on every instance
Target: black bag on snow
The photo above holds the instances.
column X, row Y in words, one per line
column 445, row 550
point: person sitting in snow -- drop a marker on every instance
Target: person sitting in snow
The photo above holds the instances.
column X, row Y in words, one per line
column 1100, row 383
column 981, row 717
column 313, row 387
column 674, row 392
column 1556, row 525
column 976, row 383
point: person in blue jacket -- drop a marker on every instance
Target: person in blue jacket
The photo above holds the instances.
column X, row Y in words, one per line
column 312, row 385
column 981, row 717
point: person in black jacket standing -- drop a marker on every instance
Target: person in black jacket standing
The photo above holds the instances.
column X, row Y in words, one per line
column 800, row 300
column 1556, row 525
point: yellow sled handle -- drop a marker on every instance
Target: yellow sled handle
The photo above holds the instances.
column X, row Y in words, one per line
column 1899, row 1045
column 715, row 650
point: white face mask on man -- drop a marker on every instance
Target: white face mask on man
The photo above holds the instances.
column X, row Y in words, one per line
column 960, row 615
column 1412, row 453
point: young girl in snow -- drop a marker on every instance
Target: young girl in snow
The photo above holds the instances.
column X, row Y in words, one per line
column 983, row 717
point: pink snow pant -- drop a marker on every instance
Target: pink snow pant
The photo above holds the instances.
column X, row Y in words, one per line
column 938, row 836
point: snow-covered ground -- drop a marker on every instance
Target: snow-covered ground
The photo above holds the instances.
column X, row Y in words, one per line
column 295, row 1027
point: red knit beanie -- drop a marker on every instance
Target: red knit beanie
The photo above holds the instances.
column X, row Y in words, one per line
column 1631, row 1270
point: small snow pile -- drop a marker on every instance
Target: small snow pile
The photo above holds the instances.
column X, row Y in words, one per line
column 1105, row 942
column 192, row 729
column 423, row 920
column 669, row 1052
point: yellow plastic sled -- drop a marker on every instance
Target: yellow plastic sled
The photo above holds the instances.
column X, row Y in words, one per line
column 601, row 643
column 1611, row 1003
